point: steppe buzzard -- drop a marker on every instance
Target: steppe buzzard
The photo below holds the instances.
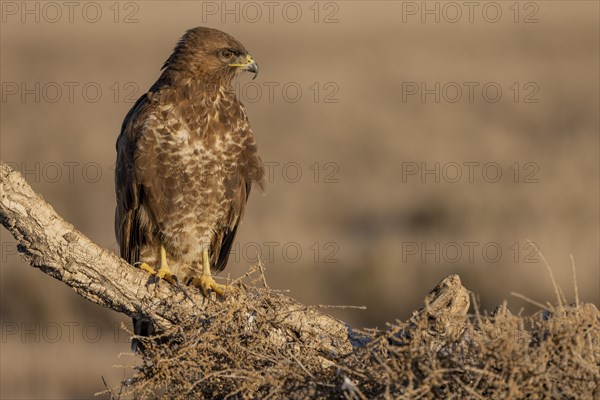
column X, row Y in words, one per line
column 186, row 161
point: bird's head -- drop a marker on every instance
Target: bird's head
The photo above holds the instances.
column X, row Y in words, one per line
column 209, row 55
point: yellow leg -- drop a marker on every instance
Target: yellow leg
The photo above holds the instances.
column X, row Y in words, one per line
column 163, row 271
column 205, row 282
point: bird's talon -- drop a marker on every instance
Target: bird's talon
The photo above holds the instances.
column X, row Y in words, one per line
column 167, row 276
column 155, row 276
column 207, row 284
column 147, row 268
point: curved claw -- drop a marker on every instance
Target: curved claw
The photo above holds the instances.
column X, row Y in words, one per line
column 167, row 276
column 162, row 273
column 207, row 284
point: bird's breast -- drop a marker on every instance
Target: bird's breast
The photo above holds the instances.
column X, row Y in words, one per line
column 200, row 154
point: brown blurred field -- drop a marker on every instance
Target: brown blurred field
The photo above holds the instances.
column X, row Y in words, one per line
column 354, row 228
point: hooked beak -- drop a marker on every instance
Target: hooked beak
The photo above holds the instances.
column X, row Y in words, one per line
column 247, row 64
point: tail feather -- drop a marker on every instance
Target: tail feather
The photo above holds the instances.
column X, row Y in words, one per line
column 141, row 327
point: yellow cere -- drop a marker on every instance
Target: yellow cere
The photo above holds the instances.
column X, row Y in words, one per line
column 247, row 61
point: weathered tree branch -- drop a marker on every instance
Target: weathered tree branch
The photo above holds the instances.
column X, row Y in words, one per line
column 57, row 248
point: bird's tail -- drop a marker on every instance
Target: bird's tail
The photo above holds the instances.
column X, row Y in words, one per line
column 141, row 327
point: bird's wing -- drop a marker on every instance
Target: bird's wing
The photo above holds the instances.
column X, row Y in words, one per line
column 249, row 169
column 133, row 225
column 130, row 228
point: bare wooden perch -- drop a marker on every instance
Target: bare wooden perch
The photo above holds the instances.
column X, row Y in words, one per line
column 57, row 248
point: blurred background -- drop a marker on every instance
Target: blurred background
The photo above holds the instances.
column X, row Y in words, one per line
column 404, row 142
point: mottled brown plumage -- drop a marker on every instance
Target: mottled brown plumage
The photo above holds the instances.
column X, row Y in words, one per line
column 186, row 159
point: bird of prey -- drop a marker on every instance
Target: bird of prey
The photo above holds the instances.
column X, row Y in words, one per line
column 186, row 161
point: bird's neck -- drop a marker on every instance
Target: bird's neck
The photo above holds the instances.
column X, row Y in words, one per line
column 196, row 82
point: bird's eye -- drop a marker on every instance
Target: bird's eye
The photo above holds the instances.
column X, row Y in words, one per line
column 226, row 54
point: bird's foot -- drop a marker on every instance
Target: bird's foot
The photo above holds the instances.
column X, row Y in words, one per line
column 207, row 284
column 162, row 273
